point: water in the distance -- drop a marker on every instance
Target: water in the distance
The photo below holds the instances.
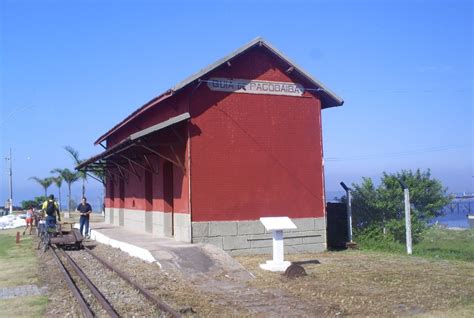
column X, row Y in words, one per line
column 455, row 213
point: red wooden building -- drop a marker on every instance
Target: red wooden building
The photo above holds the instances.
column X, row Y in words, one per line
column 239, row 140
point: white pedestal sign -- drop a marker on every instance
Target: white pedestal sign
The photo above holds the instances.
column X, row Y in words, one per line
column 277, row 225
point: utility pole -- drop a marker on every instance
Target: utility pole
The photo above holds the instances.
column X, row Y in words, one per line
column 11, row 182
column 406, row 193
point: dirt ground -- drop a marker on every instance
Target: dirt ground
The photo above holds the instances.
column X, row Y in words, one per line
column 355, row 283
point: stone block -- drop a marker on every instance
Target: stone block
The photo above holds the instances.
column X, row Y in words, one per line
column 315, row 238
column 250, row 227
column 304, row 224
column 260, row 236
column 320, row 224
column 261, row 243
column 305, row 248
column 235, row 242
column 216, row 241
column 222, row 228
column 200, row 229
column 292, row 241
column 252, row 251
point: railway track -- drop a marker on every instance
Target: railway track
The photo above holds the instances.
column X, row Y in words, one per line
column 92, row 301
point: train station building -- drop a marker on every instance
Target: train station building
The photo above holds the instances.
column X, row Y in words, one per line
column 202, row 162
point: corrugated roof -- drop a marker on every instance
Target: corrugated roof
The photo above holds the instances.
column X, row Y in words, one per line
column 329, row 99
column 160, row 126
column 137, row 112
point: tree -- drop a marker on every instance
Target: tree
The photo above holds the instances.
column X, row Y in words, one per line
column 37, row 202
column 83, row 175
column 98, row 173
column 58, row 180
column 384, row 206
column 45, row 183
column 69, row 177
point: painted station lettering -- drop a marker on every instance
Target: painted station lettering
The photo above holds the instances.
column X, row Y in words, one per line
column 254, row 87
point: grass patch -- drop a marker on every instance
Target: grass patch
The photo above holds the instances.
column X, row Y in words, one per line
column 437, row 243
column 17, row 261
column 19, row 266
column 447, row 244
column 29, row 306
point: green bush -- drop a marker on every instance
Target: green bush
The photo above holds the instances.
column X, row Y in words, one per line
column 379, row 205
column 397, row 230
column 375, row 208
column 373, row 238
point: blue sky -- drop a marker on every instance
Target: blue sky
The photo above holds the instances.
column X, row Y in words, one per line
column 70, row 70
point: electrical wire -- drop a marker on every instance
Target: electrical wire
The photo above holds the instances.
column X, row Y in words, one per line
column 398, row 154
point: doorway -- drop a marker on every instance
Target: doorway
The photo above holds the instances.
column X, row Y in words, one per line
column 168, row 192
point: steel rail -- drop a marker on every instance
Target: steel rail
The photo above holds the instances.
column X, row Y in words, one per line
column 145, row 292
column 74, row 289
column 102, row 300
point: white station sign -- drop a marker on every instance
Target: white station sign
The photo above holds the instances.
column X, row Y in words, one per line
column 245, row 86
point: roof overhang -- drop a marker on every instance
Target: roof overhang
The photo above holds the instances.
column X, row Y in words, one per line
column 98, row 162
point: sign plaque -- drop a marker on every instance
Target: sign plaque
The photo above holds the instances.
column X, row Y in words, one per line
column 245, row 86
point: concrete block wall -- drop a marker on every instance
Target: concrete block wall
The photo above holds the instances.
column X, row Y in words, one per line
column 154, row 222
column 250, row 237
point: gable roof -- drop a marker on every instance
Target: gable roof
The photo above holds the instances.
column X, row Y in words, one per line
column 328, row 98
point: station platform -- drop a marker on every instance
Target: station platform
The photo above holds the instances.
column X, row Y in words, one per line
column 186, row 258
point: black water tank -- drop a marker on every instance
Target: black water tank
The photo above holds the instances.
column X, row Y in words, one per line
column 336, row 230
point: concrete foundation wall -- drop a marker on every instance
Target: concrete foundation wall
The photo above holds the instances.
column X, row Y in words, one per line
column 154, row 222
column 250, row 237
column 235, row 237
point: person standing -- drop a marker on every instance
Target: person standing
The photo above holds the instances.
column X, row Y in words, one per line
column 29, row 220
column 52, row 211
column 85, row 210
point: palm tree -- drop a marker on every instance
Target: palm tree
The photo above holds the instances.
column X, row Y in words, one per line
column 58, row 180
column 69, row 177
column 45, row 183
column 83, row 175
column 98, row 174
